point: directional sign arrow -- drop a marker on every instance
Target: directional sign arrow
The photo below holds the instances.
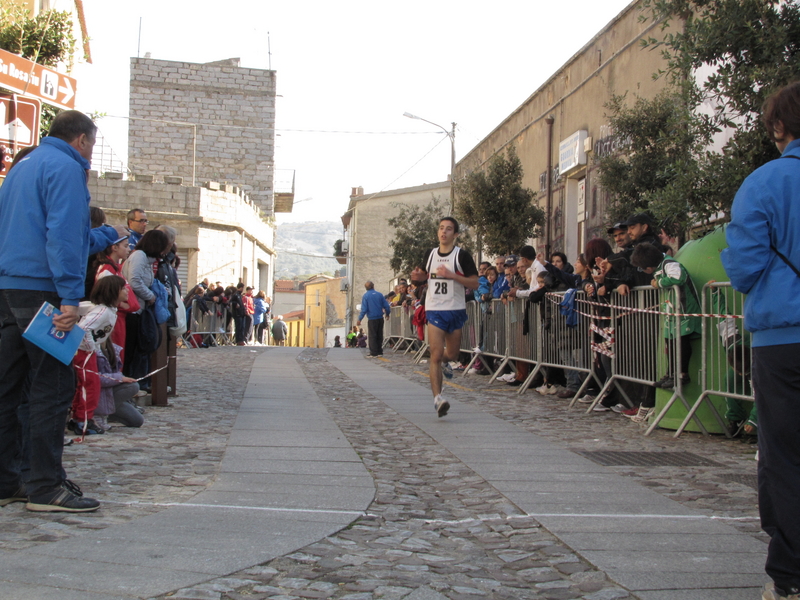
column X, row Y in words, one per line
column 67, row 90
column 26, row 77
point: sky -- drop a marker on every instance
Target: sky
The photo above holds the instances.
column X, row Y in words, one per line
column 346, row 73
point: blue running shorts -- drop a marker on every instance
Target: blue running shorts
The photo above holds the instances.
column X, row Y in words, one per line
column 447, row 320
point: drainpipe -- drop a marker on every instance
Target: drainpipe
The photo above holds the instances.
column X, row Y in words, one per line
column 547, row 235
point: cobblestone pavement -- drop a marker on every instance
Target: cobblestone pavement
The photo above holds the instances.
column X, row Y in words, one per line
column 435, row 530
column 171, row 458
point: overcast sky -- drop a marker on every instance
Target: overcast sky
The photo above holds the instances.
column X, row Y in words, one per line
column 346, row 73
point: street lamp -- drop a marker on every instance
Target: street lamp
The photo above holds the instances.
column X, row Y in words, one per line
column 452, row 135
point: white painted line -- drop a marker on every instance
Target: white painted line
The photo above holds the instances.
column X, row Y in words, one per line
column 356, row 513
column 589, row 515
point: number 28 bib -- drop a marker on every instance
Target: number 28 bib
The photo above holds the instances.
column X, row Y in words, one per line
column 444, row 294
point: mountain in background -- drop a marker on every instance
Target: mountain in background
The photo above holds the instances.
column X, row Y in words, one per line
column 294, row 240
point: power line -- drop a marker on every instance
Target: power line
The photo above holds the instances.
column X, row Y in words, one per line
column 246, row 128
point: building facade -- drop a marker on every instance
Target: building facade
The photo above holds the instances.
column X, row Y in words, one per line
column 562, row 128
column 367, row 236
column 221, row 235
column 325, row 311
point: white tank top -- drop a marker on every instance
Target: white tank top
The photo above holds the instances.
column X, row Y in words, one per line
column 444, row 294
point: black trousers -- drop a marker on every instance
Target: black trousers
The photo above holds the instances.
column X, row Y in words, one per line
column 375, row 336
column 776, row 382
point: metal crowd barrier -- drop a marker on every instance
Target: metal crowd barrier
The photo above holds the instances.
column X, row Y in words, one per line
column 630, row 331
column 638, row 352
column 392, row 330
column 558, row 344
column 726, row 359
column 490, row 326
column 215, row 327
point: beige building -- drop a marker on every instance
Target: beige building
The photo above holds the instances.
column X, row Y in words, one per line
column 562, row 127
column 367, row 236
column 325, row 311
column 220, row 233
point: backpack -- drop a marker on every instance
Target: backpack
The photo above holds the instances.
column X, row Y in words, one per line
column 161, row 306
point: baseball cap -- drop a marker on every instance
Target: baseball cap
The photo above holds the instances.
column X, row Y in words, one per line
column 122, row 234
column 511, row 260
column 611, row 230
column 640, row 219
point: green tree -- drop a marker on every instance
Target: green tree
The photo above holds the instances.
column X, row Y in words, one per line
column 723, row 58
column 45, row 39
column 497, row 207
column 661, row 167
column 415, row 233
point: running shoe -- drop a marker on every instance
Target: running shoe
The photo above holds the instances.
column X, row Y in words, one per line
column 447, row 370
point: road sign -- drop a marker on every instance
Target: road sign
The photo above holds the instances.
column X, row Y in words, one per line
column 31, row 79
column 19, row 126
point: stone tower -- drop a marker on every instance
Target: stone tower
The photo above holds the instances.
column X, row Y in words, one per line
column 213, row 121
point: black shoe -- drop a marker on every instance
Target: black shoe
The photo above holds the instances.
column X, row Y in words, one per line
column 515, row 383
column 666, row 382
column 62, row 500
column 92, row 428
column 17, row 495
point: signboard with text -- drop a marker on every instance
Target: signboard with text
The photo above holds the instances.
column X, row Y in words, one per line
column 571, row 153
column 19, row 126
column 26, row 77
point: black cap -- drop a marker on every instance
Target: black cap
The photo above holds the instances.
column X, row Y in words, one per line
column 640, row 219
column 613, row 228
column 511, row 260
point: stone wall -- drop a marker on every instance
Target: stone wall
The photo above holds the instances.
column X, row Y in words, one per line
column 221, row 235
column 219, row 113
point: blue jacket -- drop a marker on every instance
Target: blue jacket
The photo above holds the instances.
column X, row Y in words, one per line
column 374, row 304
column 500, row 286
column 766, row 210
column 260, row 309
column 44, row 222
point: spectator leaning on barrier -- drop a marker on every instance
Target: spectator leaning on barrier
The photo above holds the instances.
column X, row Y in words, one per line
column 668, row 272
column 763, row 261
column 619, row 231
column 44, row 247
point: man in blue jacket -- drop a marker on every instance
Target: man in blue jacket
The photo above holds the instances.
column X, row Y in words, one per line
column 762, row 261
column 44, row 248
column 374, row 305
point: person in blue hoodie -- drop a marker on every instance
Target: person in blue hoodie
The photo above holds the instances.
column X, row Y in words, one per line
column 763, row 261
column 44, row 247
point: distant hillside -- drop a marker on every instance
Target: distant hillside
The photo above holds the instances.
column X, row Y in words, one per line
column 311, row 237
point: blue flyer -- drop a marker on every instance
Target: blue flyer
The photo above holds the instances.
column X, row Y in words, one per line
column 42, row 332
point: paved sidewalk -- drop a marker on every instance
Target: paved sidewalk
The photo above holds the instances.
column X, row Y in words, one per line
column 328, row 475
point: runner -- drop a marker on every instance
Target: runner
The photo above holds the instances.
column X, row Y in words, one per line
column 452, row 272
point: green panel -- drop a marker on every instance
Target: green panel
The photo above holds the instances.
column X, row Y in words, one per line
column 701, row 259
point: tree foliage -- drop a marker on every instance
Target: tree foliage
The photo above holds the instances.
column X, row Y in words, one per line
column 662, row 165
column 46, row 39
column 415, row 233
column 416, row 230
column 721, row 65
column 497, row 207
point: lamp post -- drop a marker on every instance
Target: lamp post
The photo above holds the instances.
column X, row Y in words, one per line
column 452, row 135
